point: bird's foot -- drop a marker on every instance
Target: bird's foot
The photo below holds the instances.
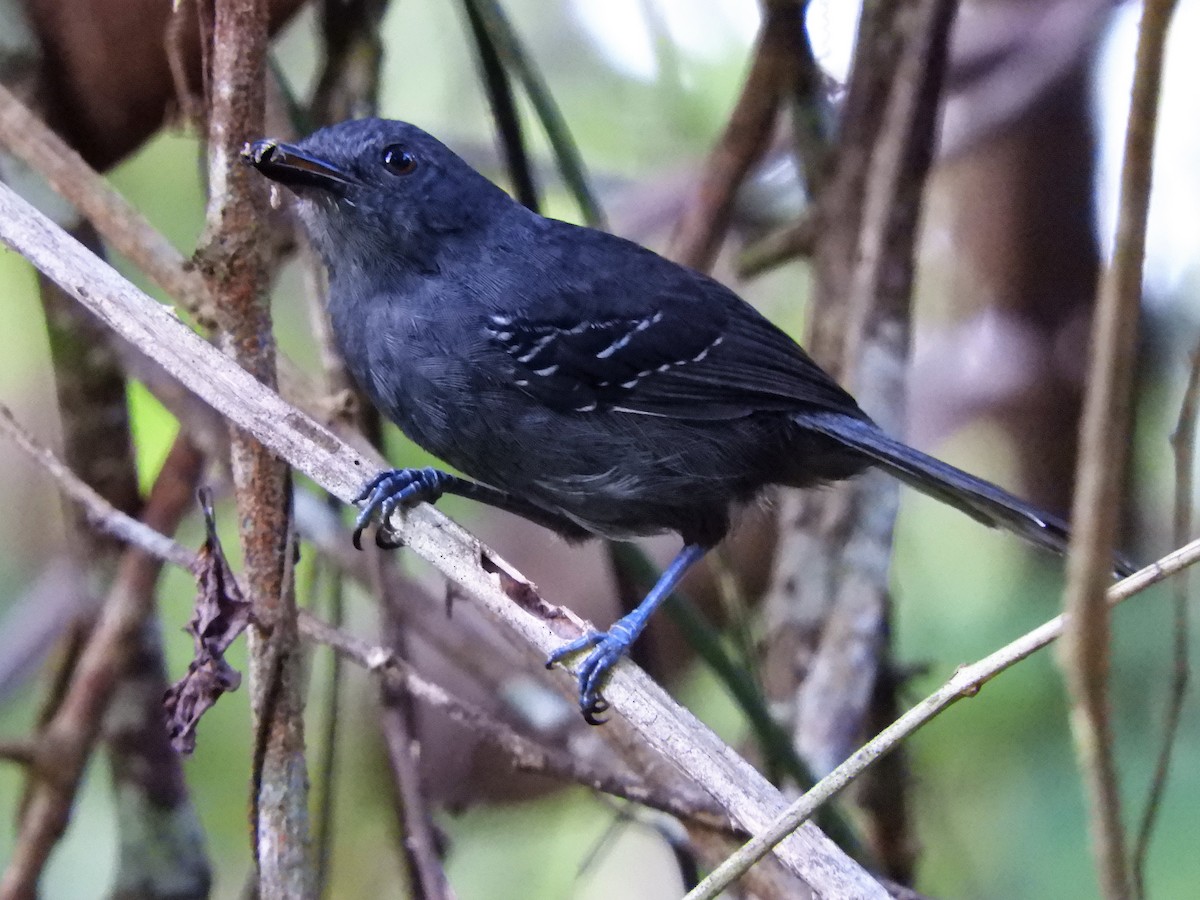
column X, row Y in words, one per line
column 393, row 488
column 607, row 649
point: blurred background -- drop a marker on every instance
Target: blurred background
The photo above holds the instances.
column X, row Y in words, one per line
column 1017, row 219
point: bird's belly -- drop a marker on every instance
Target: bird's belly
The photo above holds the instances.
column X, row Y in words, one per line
column 613, row 474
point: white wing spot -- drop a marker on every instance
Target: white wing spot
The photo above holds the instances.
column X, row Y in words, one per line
column 549, row 370
column 538, row 346
column 617, row 345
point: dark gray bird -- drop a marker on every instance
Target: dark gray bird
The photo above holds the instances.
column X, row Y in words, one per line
column 585, row 382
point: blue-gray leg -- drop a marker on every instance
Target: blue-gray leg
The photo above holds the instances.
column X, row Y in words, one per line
column 609, row 646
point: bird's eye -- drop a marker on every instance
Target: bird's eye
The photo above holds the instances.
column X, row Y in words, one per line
column 399, row 160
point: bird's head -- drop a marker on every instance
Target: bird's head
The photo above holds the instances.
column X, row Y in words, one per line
column 374, row 191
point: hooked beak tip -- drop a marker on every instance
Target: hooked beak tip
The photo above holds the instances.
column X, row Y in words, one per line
column 258, row 153
column 294, row 167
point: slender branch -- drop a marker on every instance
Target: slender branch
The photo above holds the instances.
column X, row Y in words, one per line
column 21, row 751
column 830, row 601
column 348, row 87
column 966, row 682
column 791, row 241
column 1184, row 444
column 707, row 212
column 28, row 138
column 500, row 591
column 420, row 843
column 527, row 754
column 514, row 56
column 101, row 514
column 504, row 110
column 1103, row 457
column 91, row 387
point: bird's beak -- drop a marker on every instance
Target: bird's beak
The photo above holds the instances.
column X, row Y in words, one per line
column 293, row 167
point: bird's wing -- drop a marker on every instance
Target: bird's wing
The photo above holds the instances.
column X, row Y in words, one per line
column 686, row 348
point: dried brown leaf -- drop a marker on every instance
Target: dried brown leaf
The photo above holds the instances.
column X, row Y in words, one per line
column 221, row 614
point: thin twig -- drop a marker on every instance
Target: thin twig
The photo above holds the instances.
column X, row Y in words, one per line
column 479, row 572
column 326, row 751
column 966, row 682
column 348, row 87
column 91, row 387
column 420, row 843
column 707, row 212
column 504, row 110
column 1104, row 446
column 514, row 56
column 527, row 754
column 101, row 514
column 812, row 117
column 25, row 136
column 182, row 28
column 21, row 751
column 1184, row 443
column 774, row 249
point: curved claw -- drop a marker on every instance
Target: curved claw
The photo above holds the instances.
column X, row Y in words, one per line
column 609, row 648
column 591, row 714
column 384, row 543
column 390, row 489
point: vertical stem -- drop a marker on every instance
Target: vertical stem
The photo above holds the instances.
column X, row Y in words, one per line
column 1102, row 462
column 1183, row 441
column 234, row 266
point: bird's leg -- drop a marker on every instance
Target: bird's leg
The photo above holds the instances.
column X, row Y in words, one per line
column 609, row 646
column 407, row 487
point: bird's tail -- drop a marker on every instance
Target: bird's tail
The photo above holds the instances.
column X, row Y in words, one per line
column 979, row 499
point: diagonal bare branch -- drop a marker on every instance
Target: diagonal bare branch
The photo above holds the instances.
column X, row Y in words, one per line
column 966, row 682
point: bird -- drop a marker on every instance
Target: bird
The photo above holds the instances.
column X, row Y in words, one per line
column 576, row 378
